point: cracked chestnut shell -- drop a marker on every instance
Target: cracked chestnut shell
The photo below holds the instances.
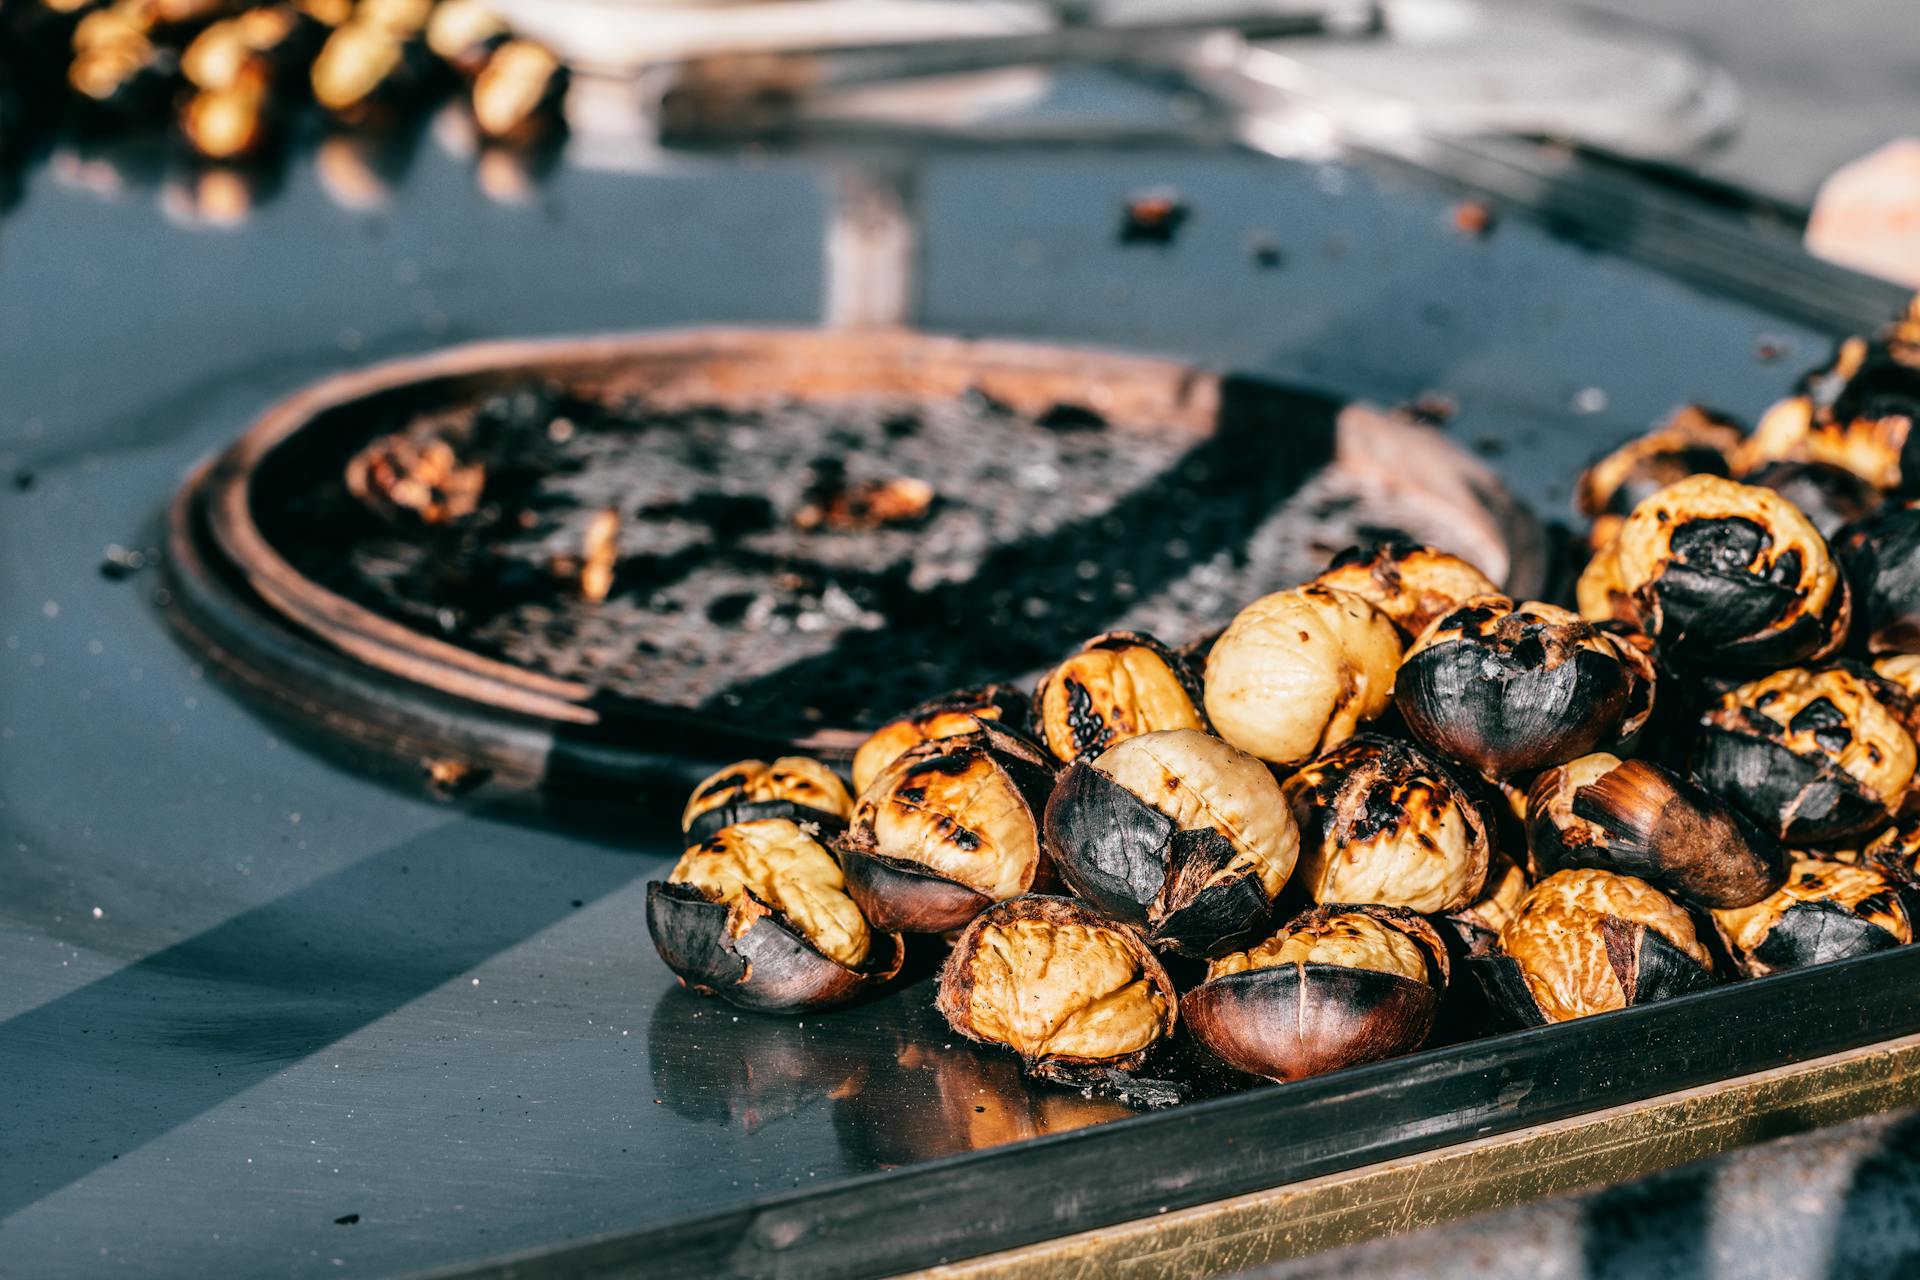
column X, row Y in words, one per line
column 1812, row 755
column 1586, row 941
column 1895, row 852
column 1336, row 986
column 1720, row 571
column 949, row 828
column 790, row 787
column 1508, row 688
column 1176, row 832
column 1074, row 993
column 1382, row 821
column 1825, row 911
column 1118, row 686
column 1882, row 559
column 1299, row 671
column 1411, row 583
column 759, row 915
column 1693, row 441
column 1639, row 819
column 946, row 716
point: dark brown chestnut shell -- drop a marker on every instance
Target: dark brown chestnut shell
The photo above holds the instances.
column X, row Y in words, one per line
column 1830, row 496
column 1648, row 967
column 1881, row 557
column 1827, row 925
column 1640, row 819
column 750, row 955
column 1290, row 1021
column 1089, row 727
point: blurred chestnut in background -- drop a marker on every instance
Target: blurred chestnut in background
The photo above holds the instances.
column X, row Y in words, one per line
column 759, row 915
column 1825, row 911
column 1176, row 831
column 1639, row 819
column 1299, row 671
column 1118, row 686
column 950, row 827
column 225, row 124
column 1693, row 441
column 1335, row 986
column 366, row 76
column 518, row 94
column 942, row 717
column 1382, row 821
column 1412, row 584
column 1075, row 994
column 1881, row 556
column 1586, row 941
column 1812, row 755
column 791, row 787
column 1508, row 688
column 1830, row 496
column 464, row 34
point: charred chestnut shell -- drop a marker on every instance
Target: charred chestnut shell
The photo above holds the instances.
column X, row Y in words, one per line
column 1812, row 755
column 1176, row 832
column 1895, row 852
column 1336, row 986
column 1412, row 584
column 790, row 787
column 1382, row 821
column 1299, row 671
column 759, row 915
column 1479, row 922
column 1075, row 994
column 1587, row 941
column 1830, row 496
column 946, row 716
column 1825, row 911
column 1882, row 560
column 1118, row 686
column 949, row 828
column 1639, row 819
column 1508, row 688
column 1721, row 571
column 1694, row 441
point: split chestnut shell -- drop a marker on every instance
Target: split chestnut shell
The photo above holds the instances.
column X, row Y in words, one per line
column 1412, row 584
column 1176, row 832
column 791, row 787
column 946, row 716
column 1693, row 441
column 1882, row 560
column 1074, row 993
column 1335, row 986
column 1508, row 688
column 1118, row 686
column 1895, row 852
column 1830, row 496
column 759, row 915
column 949, row 828
column 1825, row 911
column 1639, row 819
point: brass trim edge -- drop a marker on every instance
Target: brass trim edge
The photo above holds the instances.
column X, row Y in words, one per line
column 1478, row 1176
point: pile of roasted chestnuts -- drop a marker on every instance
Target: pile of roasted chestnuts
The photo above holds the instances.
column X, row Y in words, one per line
column 1298, row 838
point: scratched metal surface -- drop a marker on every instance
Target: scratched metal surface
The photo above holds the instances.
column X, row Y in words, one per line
column 258, row 1015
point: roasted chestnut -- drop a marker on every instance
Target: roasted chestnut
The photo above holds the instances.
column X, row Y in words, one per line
column 517, row 95
column 1487, row 915
column 1336, row 986
column 1119, row 685
column 464, row 33
column 1902, row 670
column 1825, row 911
column 943, row 717
column 1810, row 754
column 1693, row 441
column 1382, row 821
column 1299, row 671
column 1410, row 583
column 225, row 124
column 1508, row 688
column 949, row 828
column 759, row 915
column 1176, row 831
column 1830, row 496
column 1639, row 819
column 791, row 787
column 1895, row 852
column 1882, row 559
column 1075, row 994
column 1585, row 941
column 1717, row 570
column 365, row 74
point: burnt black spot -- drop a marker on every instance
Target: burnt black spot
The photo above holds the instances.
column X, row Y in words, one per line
column 1767, row 699
column 1382, row 812
column 1467, row 618
column 1530, row 650
column 964, row 838
column 1826, row 722
column 1085, row 726
column 1727, row 544
column 1874, row 904
column 1787, row 570
column 912, row 795
column 719, row 785
column 950, row 765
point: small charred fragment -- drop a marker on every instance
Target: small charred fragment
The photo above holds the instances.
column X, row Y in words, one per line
column 946, row 830
column 1508, row 688
column 1412, row 584
column 1895, row 852
column 790, row 787
column 1176, row 832
column 1825, row 911
column 1722, row 572
column 1639, row 819
column 1830, row 496
column 1382, row 821
column 1336, row 986
column 1812, row 755
column 759, row 915
column 1118, row 686
column 1588, row 941
column 1075, row 994
column 1882, row 559
column 944, row 717
column 1693, row 441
